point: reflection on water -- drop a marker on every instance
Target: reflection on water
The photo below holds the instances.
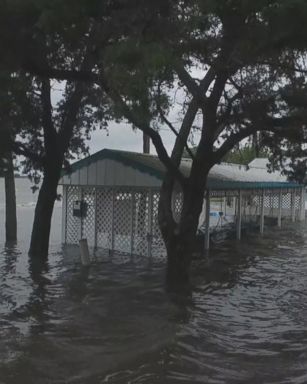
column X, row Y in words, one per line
column 243, row 322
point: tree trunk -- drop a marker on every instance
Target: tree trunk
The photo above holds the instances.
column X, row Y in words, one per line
column 256, row 144
column 146, row 143
column 180, row 238
column 10, row 200
column 178, row 260
column 43, row 214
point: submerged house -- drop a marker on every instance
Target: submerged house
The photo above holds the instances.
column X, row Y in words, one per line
column 111, row 198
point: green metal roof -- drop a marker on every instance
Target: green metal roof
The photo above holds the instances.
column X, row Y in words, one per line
column 247, row 185
column 217, row 180
column 143, row 162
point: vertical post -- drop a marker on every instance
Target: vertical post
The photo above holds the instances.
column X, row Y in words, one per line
column 150, row 209
column 10, row 198
column 112, row 230
column 95, row 217
column 207, row 223
column 239, row 216
column 271, row 204
column 293, row 205
column 279, row 209
column 302, row 204
column 85, row 255
column 81, row 219
column 64, row 214
column 132, row 222
column 262, row 213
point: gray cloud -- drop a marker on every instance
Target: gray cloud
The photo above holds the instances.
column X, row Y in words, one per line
column 121, row 136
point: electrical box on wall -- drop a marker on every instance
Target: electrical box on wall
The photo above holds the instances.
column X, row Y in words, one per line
column 79, row 208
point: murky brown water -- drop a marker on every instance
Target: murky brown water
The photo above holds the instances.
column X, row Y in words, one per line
column 244, row 321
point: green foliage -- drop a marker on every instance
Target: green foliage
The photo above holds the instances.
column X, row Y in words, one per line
column 140, row 47
column 244, row 155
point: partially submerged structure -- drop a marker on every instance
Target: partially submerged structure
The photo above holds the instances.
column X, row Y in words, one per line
column 111, row 198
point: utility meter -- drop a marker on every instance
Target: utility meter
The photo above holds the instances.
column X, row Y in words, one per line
column 79, row 208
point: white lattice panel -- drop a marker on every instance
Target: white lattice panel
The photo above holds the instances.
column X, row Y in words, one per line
column 268, row 204
column 297, row 199
column 158, row 248
column 177, row 205
column 122, row 224
column 141, row 228
column 73, row 224
column 287, row 201
column 296, row 202
column 88, row 220
column 125, row 220
column 104, row 218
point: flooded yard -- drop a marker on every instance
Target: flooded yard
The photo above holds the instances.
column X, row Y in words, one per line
column 243, row 321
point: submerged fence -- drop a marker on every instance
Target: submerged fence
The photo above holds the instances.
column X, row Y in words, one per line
column 126, row 219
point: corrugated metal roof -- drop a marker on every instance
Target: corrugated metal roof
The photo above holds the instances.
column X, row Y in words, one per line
column 259, row 162
column 221, row 177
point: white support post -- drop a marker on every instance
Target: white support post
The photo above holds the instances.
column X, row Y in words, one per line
column 207, row 223
column 81, row 218
column 293, row 206
column 279, row 209
column 64, row 214
column 302, row 204
column 239, row 216
column 250, row 208
column 85, row 255
column 150, row 216
column 262, row 213
column 132, row 221
column 113, row 224
column 95, row 217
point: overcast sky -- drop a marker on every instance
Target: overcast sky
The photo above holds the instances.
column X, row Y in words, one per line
column 121, row 136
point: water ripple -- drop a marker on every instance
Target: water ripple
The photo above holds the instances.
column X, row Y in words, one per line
column 243, row 322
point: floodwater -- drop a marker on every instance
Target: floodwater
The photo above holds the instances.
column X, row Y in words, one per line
column 244, row 320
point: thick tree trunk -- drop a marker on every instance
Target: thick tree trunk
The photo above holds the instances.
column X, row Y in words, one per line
column 146, row 143
column 178, row 260
column 180, row 238
column 43, row 215
column 10, row 200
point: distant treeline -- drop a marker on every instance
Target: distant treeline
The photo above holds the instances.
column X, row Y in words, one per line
column 244, row 155
column 241, row 155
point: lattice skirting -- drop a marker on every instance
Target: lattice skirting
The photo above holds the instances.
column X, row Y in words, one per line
column 125, row 219
column 118, row 219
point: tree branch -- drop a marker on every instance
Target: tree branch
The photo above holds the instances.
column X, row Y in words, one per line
column 232, row 140
column 189, row 117
column 62, row 74
column 22, row 150
column 196, row 90
column 48, row 127
column 277, row 126
column 176, row 133
column 144, row 127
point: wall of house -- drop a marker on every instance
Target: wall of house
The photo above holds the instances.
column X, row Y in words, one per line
column 109, row 173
